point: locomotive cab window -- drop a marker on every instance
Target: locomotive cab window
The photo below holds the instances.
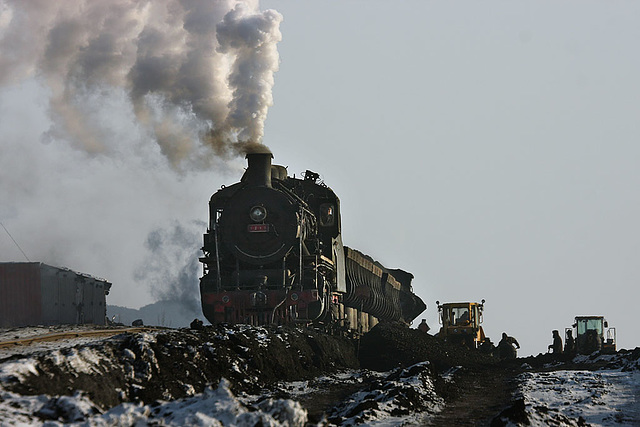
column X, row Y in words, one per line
column 327, row 214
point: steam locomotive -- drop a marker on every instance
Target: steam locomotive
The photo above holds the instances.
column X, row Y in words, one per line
column 273, row 253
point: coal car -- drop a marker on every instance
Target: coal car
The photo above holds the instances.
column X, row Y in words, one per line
column 273, row 254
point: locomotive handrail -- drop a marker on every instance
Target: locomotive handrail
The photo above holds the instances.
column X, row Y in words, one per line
column 273, row 312
column 291, row 194
column 300, row 254
column 215, row 237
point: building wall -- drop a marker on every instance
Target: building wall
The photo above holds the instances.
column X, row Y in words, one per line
column 35, row 293
column 20, row 294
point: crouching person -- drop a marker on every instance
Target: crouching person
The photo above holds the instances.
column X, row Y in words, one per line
column 507, row 347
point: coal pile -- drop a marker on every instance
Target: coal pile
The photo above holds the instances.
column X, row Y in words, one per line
column 391, row 345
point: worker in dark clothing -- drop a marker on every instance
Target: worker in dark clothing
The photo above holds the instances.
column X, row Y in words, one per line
column 487, row 346
column 569, row 342
column 464, row 318
column 507, row 347
column 423, row 326
column 556, row 347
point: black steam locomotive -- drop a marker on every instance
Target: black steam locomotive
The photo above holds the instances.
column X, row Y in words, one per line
column 273, row 253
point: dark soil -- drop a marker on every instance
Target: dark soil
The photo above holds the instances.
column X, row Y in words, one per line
column 391, row 345
column 178, row 363
column 476, row 386
column 172, row 364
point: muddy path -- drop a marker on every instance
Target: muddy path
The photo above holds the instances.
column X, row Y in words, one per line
column 476, row 396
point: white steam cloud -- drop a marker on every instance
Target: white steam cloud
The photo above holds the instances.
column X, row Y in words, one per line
column 198, row 74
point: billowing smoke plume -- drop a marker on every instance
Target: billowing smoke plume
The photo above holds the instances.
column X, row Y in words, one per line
column 171, row 268
column 198, row 74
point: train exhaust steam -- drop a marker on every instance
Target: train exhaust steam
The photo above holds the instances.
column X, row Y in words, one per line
column 197, row 75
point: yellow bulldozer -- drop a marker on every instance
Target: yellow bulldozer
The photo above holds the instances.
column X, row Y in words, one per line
column 461, row 323
column 592, row 333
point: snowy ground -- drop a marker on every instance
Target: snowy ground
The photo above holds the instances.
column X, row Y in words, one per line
column 219, row 407
column 598, row 391
column 214, row 407
column 376, row 405
column 601, row 398
column 380, row 399
column 398, row 397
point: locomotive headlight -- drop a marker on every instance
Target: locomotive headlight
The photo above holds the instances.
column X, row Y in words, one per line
column 258, row 214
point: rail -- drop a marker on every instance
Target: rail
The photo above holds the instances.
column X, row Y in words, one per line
column 70, row 334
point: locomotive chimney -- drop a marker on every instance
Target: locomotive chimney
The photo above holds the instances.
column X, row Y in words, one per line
column 259, row 169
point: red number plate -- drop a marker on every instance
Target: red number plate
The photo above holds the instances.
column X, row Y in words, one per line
column 258, row 228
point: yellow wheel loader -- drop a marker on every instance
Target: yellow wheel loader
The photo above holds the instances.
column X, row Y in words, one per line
column 461, row 323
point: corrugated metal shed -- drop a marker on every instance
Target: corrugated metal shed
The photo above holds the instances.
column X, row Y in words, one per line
column 33, row 293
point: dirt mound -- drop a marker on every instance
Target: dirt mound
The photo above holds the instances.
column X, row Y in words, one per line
column 403, row 395
column 392, row 345
column 172, row 364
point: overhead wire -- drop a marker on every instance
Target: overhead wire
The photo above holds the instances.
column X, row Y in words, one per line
column 14, row 241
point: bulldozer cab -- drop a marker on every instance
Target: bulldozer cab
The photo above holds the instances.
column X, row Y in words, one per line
column 461, row 322
column 593, row 334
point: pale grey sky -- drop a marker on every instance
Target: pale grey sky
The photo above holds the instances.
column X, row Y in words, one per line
column 488, row 148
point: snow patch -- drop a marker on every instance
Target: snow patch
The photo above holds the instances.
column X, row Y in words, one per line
column 18, row 370
column 213, row 407
column 85, row 360
column 575, row 397
column 402, row 396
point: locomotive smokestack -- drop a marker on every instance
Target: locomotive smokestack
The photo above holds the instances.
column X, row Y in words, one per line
column 259, row 169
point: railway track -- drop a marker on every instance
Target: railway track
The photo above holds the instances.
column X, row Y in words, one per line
column 70, row 334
